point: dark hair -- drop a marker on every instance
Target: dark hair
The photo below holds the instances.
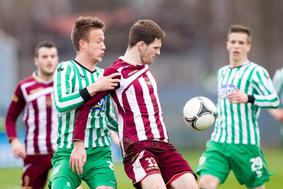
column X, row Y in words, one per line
column 240, row 29
column 82, row 27
column 47, row 44
column 145, row 30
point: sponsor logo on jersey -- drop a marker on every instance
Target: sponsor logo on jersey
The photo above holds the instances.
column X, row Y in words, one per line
column 225, row 90
column 100, row 104
column 59, row 69
column 82, row 76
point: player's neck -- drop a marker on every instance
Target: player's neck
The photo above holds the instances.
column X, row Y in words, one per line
column 43, row 77
column 235, row 63
column 132, row 56
column 86, row 62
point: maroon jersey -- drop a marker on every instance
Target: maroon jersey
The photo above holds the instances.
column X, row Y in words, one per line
column 34, row 97
column 137, row 102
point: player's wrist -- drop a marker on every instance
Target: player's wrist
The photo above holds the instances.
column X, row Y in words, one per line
column 14, row 141
column 251, row 99
column 85, row 94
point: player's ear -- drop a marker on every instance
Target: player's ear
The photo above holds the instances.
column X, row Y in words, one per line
column 35, row 60
column 82, row 44
column 141, row 45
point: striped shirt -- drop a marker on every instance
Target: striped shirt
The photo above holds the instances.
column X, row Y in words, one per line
column 278, row 84
column 34, row 97
column 237, row 123
column 137, row 102
column 70, row 77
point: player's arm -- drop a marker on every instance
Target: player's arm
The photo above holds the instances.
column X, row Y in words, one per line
column 278, row 85
column 83, row 111
column 65, row 98
column 15, row 108
column 266, row 96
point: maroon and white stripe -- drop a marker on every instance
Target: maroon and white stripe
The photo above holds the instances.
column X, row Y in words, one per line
column 40, row 116
column 140, row 116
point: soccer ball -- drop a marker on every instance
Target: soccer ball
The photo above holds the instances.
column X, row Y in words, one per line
column 199, row 113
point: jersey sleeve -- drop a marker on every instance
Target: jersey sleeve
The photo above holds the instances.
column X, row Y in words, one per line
column 66, row 98
column 265, row 96
column 15, row 108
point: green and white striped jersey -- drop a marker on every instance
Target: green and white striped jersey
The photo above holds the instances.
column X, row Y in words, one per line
column 278, row 84
column 69, row 78
column 237, row 123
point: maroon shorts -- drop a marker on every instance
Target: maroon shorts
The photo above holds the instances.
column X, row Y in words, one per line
column 148, row 157
column 36, row 169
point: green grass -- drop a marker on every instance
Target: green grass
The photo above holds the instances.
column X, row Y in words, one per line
column 10, row 178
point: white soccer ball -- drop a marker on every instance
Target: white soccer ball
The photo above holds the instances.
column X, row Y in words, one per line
column 200, row 113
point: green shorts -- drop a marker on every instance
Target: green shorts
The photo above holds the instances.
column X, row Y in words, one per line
column 246, row 161
column 98, row 170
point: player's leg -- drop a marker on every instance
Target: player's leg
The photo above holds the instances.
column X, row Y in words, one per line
column 62, row 175
column 208, row 182
column 153, row 181
column 176, row 171
column 249, row 165
column 213, row 165
column 99, row 170
column 36, row 169
column 186, row 180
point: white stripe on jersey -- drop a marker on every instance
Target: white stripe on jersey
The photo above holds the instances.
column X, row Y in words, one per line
column 30, row 133
column 130, row 94
column 42, row 122
column 150, row 76
column 149, row 108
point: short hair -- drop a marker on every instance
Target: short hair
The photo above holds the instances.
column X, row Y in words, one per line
column 145, row 30
column 240, row 29
column 82, row 27
column 47, row 44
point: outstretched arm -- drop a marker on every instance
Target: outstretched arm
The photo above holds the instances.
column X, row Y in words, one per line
column 16, row 107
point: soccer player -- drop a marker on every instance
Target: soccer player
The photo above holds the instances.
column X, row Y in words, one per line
column 243, row 88
column 150, row 160
column 278, row 85
column 33, row 96
column 75, row 81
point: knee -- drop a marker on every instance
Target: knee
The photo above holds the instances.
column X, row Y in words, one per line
column 60, row 183
column 208, row 182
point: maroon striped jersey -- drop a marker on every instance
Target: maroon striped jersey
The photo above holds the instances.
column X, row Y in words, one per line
column 34, row 97
column 137, row 103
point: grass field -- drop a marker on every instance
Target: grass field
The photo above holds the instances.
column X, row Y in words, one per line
column 10, row 178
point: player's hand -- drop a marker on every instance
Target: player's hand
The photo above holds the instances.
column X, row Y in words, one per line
column 238, row 97
column 78, row 157
column 104, row 83
column 18, row 149
column 277, row 114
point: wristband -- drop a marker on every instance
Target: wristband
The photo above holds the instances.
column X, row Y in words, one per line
column 85, row 94
column 251, row 99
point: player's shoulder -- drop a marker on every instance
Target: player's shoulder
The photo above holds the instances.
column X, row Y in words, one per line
column 65, row 64
column 258, row 67
column 279, row 71
column 27, row 79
